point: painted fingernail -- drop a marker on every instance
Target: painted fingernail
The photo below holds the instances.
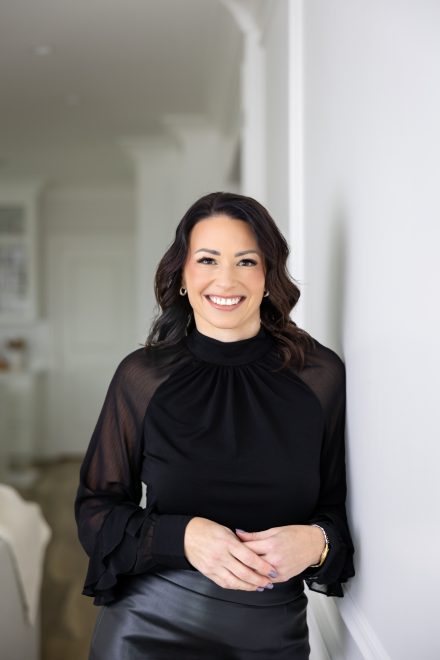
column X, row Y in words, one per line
column 273, row 574
column 260, row 588
column 269, row 586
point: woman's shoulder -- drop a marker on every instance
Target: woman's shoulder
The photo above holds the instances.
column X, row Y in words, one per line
column 139, row 374
column 150, row 360
column 321, row 355
column 324, row 373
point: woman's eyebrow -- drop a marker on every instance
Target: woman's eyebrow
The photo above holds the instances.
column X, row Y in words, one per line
column 206, row 250
column 240, row 254
column 237, row 254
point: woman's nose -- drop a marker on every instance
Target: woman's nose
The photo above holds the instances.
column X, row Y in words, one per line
column 226, row 276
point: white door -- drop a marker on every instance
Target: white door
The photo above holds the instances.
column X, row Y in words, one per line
column 90, row 299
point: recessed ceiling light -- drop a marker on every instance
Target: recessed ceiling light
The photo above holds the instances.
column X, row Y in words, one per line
column 42, row 50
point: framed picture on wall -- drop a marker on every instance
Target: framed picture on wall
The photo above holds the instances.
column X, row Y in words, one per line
column 17, row 264
column 14, row 262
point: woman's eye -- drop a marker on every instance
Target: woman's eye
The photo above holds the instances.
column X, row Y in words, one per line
column 209, row 260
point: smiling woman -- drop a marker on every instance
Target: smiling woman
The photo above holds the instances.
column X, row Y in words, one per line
column 234, row 419
column 225, row 290
column 213, row 234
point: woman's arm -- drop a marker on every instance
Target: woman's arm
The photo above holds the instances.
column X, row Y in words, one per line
column 330, row 512
column 119, row 536
column 295, row 549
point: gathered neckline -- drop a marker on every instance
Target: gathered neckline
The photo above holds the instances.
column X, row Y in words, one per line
column 231, row 353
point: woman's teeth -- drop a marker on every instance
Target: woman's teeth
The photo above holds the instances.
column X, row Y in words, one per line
column 225, row 301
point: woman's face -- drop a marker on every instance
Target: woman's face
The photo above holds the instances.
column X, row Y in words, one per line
column 224, row 275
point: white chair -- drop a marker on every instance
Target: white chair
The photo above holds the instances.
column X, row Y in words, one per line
column 24, row 535
column 19, row 640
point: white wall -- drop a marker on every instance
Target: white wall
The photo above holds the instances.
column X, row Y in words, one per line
column 372, row 233
column 170, row 175
column 74, row 210
column 275, row 39
column 87, row 236
column 281, row 32
column 190, row 159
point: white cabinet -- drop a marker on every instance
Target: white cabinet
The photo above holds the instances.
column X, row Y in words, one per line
column 4, row 428
column 18, row 392
column 18, row 320
column 18, row 273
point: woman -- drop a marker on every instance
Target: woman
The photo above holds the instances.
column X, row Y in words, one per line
column 234, row 419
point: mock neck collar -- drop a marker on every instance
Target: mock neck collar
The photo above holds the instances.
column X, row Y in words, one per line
column 219, row 352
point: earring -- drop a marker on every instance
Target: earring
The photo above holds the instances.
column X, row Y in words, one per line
column 266, row 294
column 182, row 291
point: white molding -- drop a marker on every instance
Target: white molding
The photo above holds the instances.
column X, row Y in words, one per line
column 253, row 102
column 182, row 127
column 243, row 17
column 296, row 151
column 360, row 629
column 336, row 619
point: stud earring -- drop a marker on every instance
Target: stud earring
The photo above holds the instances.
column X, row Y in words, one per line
column 182, row 291
column 266, row 294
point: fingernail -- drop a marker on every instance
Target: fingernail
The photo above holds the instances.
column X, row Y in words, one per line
column 269, row 586
column 240, row 530
column 260, row 588
column 273, row 574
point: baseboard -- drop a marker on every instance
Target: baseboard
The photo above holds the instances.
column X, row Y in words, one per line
column 343, row 632
column 363, row 634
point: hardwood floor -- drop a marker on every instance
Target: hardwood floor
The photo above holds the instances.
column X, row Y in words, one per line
column 68, row 617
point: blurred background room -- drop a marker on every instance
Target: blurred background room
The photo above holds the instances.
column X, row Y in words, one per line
column 114, row 117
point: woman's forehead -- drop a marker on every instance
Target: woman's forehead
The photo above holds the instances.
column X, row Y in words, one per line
column 224, row 231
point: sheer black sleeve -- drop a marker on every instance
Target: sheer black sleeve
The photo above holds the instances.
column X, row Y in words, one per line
column 325, row 375
column 119, row 536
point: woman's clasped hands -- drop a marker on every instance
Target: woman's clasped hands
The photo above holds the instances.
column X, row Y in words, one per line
column 250, row 560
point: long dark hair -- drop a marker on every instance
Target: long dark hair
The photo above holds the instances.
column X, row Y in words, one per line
column 175, row 317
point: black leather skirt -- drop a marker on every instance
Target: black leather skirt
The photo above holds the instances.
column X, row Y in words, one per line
column 181, row 614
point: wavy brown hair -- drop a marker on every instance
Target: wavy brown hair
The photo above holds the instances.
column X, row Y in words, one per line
column 175, row 317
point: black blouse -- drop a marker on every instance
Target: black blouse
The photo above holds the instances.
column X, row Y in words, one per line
column 213, row 430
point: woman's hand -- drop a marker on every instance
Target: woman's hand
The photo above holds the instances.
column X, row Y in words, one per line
column 290, row 549
column 215, row 551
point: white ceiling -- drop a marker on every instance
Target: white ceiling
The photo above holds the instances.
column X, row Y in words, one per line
column 116, row 68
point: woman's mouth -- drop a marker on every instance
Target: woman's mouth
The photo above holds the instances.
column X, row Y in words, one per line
column 225, row 304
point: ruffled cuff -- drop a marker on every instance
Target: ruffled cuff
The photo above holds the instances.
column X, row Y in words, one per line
column 337, row 567
column 115, row 552
column 168, row 541
column 131, row 541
